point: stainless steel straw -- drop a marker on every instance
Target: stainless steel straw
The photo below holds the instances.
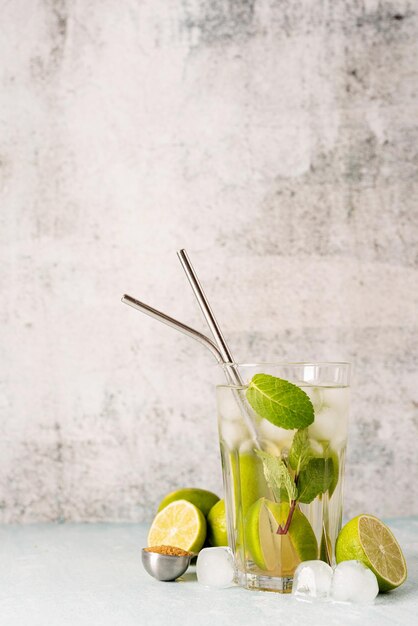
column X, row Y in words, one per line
column 210, row 318
column 170, row 321
column 231, row 368
column 219, row 348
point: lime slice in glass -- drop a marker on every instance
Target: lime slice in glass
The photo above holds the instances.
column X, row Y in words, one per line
column 269, row 550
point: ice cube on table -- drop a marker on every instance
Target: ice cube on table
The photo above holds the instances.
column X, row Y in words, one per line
column 353, row 582
column 215, row 567
column 312, row 579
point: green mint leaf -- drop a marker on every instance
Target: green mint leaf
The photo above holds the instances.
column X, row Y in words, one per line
column 333, row 468
column 332, row 463
column 300, row 452
column 280, row 402
column 313, row 480
column 277, row 476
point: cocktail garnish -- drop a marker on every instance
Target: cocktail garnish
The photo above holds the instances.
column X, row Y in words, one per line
column 279, row 401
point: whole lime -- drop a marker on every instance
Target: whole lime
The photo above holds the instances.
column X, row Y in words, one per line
column 216, row 521
column 203, row 499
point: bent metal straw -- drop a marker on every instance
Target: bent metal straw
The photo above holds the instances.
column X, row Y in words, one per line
column 170, row 321
column 219, row 349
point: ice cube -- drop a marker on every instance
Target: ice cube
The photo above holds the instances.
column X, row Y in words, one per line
column 228, row 407
column 337, row 398
column 269, row 431
column 316, row 447
column 353, row 582
column 266, row 445
column 215, row 567
column 326, row 425
column 315, row 395
column 312, row 579
column 233, row 433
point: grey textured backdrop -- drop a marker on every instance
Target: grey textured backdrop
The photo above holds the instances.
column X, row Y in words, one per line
column 277, row 142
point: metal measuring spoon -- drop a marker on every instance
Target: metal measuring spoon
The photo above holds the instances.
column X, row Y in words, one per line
column 164, row 566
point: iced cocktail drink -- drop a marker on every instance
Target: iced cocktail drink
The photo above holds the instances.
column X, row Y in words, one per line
column 283, row 439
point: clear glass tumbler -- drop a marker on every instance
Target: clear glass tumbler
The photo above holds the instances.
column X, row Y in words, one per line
column 283, row 487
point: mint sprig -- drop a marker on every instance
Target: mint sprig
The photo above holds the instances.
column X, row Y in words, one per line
column 303, row 475
column 300, row 452
column 280, row 402
column 315, row 477
column 313, row 480
column 278, row 477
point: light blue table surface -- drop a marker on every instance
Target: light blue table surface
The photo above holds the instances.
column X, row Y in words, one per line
column 87, row 574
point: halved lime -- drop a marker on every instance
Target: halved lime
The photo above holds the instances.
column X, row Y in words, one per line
column 269, row 550
column 367, row 539
column 180, row 524
column 203, row 499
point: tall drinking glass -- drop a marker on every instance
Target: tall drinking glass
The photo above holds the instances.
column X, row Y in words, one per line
column 283, row 487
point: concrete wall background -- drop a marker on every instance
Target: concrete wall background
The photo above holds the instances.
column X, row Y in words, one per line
column 276, row 141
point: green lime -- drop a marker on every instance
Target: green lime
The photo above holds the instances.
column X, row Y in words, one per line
column 249, row 481
column 180, row 524
column 204, row 500
column 365, row 538
column 266, row 547
column 216, row 521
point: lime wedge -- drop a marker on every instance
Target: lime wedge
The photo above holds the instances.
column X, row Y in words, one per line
column 269, row 550
column 179, row 524
column 203, row 499
column 260, row 535
column 367, row 539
